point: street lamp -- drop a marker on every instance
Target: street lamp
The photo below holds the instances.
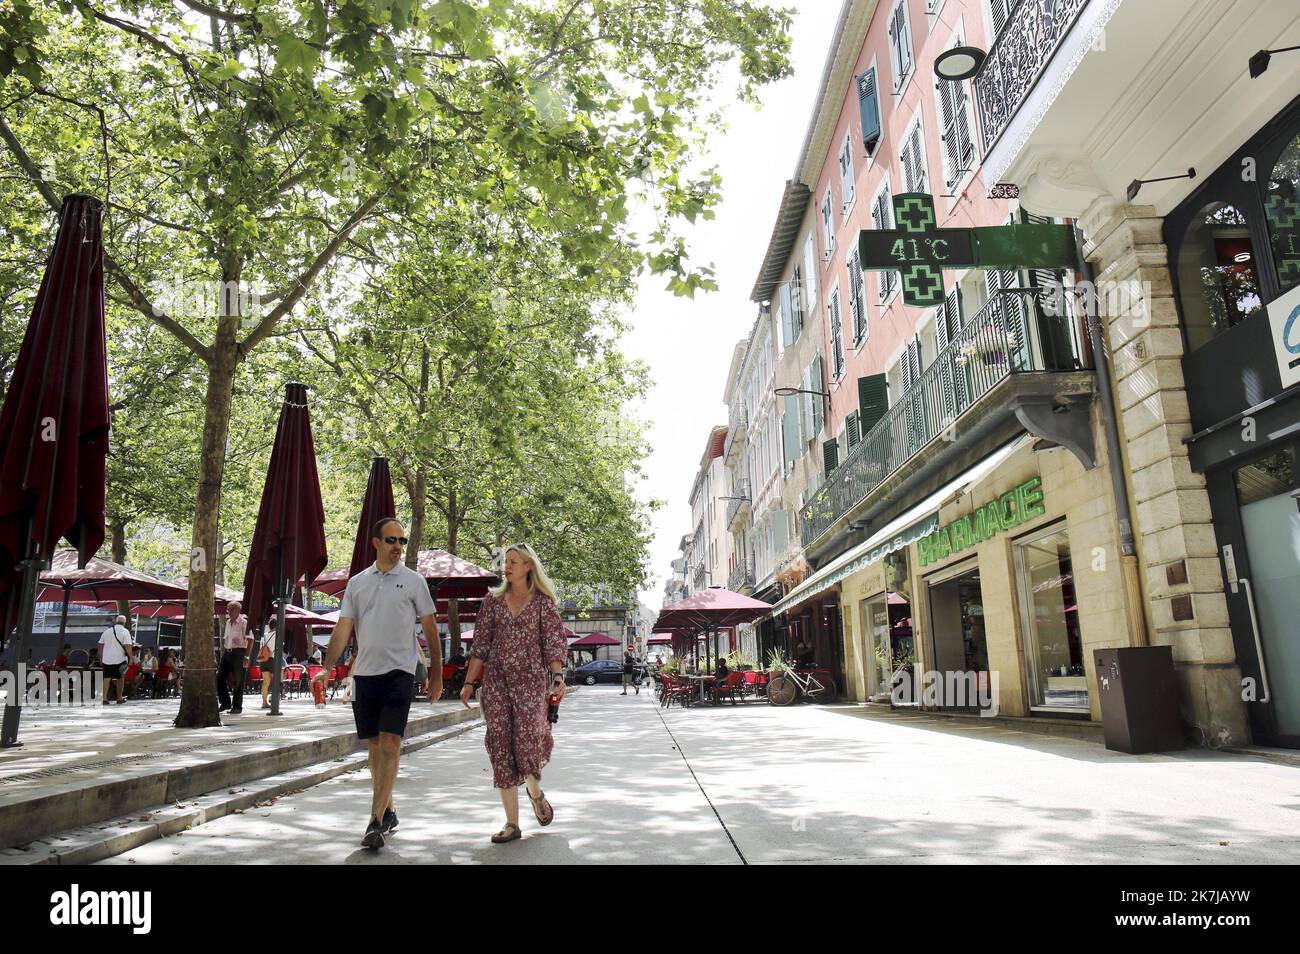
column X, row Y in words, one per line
column 959, row 63
column 786, row 392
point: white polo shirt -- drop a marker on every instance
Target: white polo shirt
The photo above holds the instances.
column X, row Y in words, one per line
column 384, row 607
column 115, row 639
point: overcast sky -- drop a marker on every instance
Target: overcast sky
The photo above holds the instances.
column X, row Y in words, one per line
column 688, row 344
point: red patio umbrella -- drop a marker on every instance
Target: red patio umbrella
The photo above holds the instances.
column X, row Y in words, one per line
column 54, row 427
column 449, row 576
column 710, row 610
column 289, row 539
column 377, row 504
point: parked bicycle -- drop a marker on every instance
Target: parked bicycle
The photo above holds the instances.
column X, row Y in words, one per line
column 784, row 687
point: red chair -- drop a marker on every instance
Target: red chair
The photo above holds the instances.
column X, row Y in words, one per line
column 291, row 679
column 730, row 688
column 338, row 678
column 675, row 690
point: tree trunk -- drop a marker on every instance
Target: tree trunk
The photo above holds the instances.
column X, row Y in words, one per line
column 117, row 536
column 453, row 606
column 199, row 696
column 419, row 491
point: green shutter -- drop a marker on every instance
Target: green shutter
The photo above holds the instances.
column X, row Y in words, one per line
column 852, row 430
column 790, row 429
column 830, row 456
column 817, row 378
column 873, row 401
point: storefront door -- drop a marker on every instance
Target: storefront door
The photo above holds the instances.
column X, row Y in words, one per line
column 879, row 653
column 1268, row 576
column 957, row 636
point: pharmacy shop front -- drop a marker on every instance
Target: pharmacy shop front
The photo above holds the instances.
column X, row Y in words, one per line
column 1003, row 599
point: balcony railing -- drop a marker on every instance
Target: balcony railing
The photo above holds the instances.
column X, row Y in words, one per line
column 740, row 495
column 994, row 344
column 1027, row 43
column 742, row 576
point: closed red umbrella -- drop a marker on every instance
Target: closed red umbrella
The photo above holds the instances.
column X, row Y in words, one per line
column 289, row 539
column 54, row 426
column 376, row 505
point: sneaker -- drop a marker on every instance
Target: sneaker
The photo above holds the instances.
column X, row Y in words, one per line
column 374, row 838
column 236, row 711
column 390, row 821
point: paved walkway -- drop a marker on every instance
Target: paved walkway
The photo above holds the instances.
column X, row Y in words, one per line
column 787, row 785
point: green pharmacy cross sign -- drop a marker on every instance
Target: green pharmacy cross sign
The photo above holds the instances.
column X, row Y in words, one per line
column 919, row 251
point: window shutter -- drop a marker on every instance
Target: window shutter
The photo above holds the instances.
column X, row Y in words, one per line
column 965, row 148
column 947, row 110
column 873, row 401
column 918, row 159
column 837, row 333
column 787, row 315
column 853, row 429
column 869, row 109
column 780, row 531
column 796, row 302
column 1000, row 10
column 817, row 380
column 859, row 303
column 904, row 40
column 846, row 173
column 880, row 215
column 790, row 429
column 830, row 456
column 948, row 395
column 809, row 277
column 909, row 172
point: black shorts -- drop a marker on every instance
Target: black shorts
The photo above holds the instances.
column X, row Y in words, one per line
column 113, row 670
column 382, row 703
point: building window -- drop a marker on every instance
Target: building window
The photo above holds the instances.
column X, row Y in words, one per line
column 1282, row 215
column 1054, row 642
column 900, row 45
column 847, row 190
column 1218, row 279
column 882, row 217
column 954, row 113
column 912, row 159
column 828, row 228
column 809, row 273
column 837, row 335
column 857, row 299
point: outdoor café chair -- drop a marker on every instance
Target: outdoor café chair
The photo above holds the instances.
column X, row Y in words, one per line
column 291, row 679
column 731, row 688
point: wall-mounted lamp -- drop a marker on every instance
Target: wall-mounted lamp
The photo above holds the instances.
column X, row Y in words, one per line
column 1136, row 185
column 1259, row 62
column 959, row 63
column 786, row 392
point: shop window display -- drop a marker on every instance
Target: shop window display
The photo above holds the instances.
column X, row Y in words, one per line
column 1054, row 641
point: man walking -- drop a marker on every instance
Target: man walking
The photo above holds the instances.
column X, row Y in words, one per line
column 234, row 659
column 380, row 603
column 117, row 653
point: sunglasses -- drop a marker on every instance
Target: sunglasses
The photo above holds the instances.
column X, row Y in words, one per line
column 391, row 540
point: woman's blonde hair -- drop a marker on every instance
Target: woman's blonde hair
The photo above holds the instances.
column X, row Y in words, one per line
column 537, row 578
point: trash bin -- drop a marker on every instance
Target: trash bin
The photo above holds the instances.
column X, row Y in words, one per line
column 1139, row 699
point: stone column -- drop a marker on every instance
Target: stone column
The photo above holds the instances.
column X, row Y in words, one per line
column 1177, row 551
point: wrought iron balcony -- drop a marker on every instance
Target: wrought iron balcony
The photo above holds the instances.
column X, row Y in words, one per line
column 738, row 506
column 742, row 577
column 1010, row 336
column 1028, row 41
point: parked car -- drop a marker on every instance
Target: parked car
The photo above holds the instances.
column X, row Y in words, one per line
column 602, row 670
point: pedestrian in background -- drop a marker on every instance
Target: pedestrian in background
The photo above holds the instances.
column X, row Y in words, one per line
column 117, row 650
column 518, row 654
column 234, row 659
column 629, row 672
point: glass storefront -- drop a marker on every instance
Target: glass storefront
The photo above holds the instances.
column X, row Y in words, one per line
column 1050, row 608
column 958, row 634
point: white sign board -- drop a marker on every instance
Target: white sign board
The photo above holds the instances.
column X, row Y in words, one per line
column 1284, row 317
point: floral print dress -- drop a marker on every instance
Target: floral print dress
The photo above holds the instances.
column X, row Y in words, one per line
column 516, row 652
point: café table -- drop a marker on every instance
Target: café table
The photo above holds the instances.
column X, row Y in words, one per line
column 702, row 680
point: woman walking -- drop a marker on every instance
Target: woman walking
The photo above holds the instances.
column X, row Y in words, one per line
column 518, row 657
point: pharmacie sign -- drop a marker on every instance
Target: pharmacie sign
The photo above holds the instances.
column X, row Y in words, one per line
column 1010, row 510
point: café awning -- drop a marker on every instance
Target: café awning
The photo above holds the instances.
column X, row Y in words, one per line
column 908, row 527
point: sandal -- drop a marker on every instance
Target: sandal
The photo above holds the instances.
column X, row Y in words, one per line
column 501, row 837
column 544, row 818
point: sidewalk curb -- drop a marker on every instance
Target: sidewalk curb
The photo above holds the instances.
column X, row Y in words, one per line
column 132, row 790
column 91, row 843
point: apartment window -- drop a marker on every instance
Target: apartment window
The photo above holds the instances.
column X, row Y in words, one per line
column 954, row 113
column 869, row 110
column 828, row 228
column 847, row 191
column 882, row 217
column 857, row 299
column 900, row 45
column 809, row 273
column 796, row 302
column 912, row 159
column 837, row 336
